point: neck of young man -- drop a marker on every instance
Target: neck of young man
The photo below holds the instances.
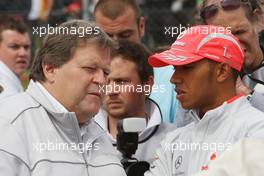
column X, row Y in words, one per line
column 113, row 121
column 217, row 101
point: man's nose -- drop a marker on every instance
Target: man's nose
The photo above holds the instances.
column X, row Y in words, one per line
column 176, row 78
column 23, row 51
column 99, row 77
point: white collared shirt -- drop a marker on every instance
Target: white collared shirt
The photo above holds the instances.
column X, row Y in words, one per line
column 9, row 82
column 152, row 135
column 151, row 109
column 55, row 103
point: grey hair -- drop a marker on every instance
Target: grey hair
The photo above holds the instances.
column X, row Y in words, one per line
column 59, row 46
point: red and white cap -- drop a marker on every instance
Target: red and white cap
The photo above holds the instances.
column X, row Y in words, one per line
column 201, row 42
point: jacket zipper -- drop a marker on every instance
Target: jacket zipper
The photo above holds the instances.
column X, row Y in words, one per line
column 78, row 137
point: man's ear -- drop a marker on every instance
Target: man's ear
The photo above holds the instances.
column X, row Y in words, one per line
column 49, row 72
column 141, row 26
column 148, row 85
column 223, row 72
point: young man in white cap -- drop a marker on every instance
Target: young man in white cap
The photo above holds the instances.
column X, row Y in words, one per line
column 207, row 60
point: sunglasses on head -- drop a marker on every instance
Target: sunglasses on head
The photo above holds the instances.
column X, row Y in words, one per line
column 211, row 10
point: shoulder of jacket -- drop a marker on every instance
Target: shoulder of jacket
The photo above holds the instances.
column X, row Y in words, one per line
column 249, row 112
column 12, row 107
column 167, row 127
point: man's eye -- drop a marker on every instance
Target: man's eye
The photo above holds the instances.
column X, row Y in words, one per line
column 125, row 35
column 26, row 47
column 15, row 47
column 89, row 68
column 120, row 81
column 187, row 67
column 106, row 73
column 239, row 32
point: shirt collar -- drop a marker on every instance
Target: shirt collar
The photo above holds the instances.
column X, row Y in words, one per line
column 55, row 103
column 219, row 111
column 5, row 70
column 67, row 120
column 152, row 110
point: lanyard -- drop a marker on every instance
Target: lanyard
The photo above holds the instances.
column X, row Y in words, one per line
column 244, row 72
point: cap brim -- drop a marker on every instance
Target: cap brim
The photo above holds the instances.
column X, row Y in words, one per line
column 172, row 57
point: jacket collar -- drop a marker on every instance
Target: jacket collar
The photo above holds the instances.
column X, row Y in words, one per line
column 40, row 96
column 5, row 70
column 221, row 112
column 54, row 103
column 67, row 121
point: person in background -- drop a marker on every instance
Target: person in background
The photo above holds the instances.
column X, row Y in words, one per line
column 121, row 19
column 129, row 85
column 245, row 20
column 14, row 55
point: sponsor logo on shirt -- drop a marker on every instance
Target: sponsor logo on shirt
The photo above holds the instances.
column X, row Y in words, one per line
column 178, row 171
column 178, row 162
column 212, row 157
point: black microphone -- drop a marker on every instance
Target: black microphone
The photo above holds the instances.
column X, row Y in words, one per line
column 127, row 143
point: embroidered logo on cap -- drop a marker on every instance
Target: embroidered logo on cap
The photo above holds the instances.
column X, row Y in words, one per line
column 178, row 43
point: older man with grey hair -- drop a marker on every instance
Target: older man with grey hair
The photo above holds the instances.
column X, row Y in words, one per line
column 48, row 130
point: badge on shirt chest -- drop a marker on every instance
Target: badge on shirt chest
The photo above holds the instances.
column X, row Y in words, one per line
column 177, row 171
column 178, row 162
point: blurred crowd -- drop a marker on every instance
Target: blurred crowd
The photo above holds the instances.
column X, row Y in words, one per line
column 131, row 87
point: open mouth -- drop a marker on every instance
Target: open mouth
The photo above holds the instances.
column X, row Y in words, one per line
column 95, row 94
column 180, row 93
column 22, row 62
column 114, row 103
